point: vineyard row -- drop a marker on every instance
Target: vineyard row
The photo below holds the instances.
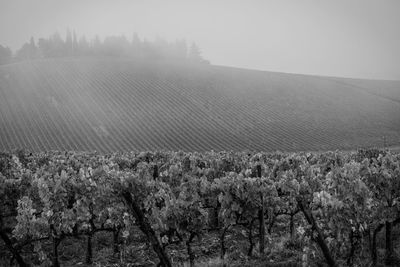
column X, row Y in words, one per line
column 333, row 202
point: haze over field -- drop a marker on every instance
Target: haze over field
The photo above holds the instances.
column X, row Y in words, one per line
column 358, row 38
column 113, row 104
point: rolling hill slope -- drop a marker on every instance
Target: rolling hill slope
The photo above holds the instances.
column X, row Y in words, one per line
column 110, row 104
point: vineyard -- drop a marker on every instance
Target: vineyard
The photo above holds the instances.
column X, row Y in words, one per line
column 111, row 105
column 180, row 209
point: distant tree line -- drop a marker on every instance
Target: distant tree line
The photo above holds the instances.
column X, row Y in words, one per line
column 114, row 46
column 5, row 55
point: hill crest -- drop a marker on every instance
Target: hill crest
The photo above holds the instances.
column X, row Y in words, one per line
column 109, row 105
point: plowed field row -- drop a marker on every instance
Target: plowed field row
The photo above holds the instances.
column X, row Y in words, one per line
column 109, row 105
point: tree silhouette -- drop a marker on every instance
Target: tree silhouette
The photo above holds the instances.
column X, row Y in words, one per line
column 195, row 53
column 74, row 44
column 58, row 45
column 5, row 55
column 83, row 47
column 69, row 46
column 114, row 46
column 181, row 49
column 27, row 51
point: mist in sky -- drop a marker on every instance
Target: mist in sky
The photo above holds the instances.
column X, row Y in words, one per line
column 348, row 38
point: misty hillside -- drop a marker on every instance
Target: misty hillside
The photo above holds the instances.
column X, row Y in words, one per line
column 114, row 104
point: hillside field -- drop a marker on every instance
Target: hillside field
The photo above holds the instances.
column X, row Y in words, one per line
column 121, row 105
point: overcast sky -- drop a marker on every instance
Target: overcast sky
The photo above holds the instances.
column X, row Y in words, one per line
column 349, row 38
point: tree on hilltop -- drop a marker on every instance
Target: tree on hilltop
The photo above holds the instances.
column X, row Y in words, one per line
column 181, row 49
column 83, row 46
column 57, row 45
column 69, row 46
column 195, row 54
column 74, row 43
column 5, row 55
column 28, row 50
column 52, row 47
column 114, row 46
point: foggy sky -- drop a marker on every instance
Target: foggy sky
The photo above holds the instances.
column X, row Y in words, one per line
column 347, row 38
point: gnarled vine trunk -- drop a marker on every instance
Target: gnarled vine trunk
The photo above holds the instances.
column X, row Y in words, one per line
column 319, row 238
column 11, row 248
column 145, row 227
